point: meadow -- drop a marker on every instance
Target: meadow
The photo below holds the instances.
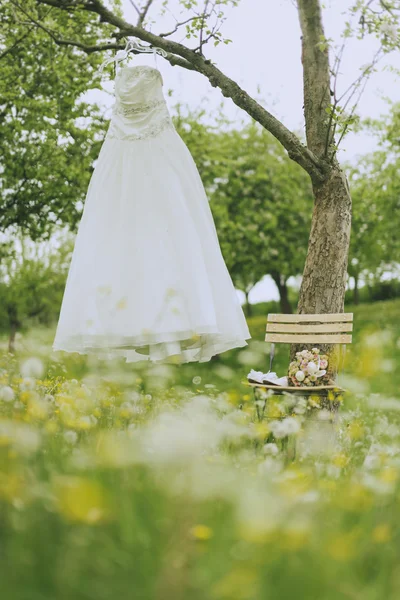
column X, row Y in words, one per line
column 170, row 481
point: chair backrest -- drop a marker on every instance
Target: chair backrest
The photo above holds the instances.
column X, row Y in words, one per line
column 310, row 329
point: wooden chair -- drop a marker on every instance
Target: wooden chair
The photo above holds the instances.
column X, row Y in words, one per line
column 307, row 329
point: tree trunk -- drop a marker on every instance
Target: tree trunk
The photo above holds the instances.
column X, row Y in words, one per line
column 356, row 291
column 324, row 279
column 11, row 338
column 248, row 307
column 281, row 284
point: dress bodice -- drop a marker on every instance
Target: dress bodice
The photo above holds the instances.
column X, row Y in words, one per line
column 140, row 110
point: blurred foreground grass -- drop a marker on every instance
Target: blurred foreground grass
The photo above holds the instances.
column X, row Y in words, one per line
column 168, row 482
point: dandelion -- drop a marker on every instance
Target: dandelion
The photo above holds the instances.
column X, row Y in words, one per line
column 32, row 367
column 28, row 383
column 201, row 532
column 196, row 380
column 70, row 436
column 7, row 394
column 288, row 426
column 81, row 499
column 271, row 449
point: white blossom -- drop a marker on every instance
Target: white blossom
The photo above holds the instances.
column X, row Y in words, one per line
column 7, row 394
column 32, row 367
column 288, row 426
column 390, row 31
column 271, row 449
column 71, row 436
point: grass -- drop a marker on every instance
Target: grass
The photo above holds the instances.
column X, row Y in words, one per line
column 168, row 482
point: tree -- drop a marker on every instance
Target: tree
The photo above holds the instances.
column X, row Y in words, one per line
column 261, row 201
column 375, row 245
column 325, row 272
column 49, row 137
column 32, row 281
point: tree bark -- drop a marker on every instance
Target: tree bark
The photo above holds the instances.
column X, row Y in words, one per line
column 356, row 291
column 11, row 338
column 248, row 307
column 324, row 278
column 281, row 284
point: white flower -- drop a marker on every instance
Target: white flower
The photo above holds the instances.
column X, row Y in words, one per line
column 372, row 461
column 324, row 415
column 32, row 367
column 28, row 383
column 196, row 380
column 321, row 373
column 71, row 436
column 288, row 426
column 312, row 368
column 26, row 439
column 271, row 449
column 7, row 394
column 390, row 31
column 300, row 376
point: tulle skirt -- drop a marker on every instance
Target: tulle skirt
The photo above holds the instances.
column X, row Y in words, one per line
column 147, row 279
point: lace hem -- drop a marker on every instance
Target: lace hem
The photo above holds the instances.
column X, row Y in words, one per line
column 150, row 132
column 179, row 347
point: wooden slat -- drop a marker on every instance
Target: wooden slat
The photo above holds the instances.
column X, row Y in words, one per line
column 288, row 338
column 287, row 388
column 326, row 318
column 316, row 328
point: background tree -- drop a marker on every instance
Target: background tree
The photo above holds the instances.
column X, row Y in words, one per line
column 375, row 244
column 49, row 136
column 32, row 281
column 261, row 201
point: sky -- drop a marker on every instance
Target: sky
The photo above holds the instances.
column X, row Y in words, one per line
column 264, row 58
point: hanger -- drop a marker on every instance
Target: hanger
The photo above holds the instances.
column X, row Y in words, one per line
column 132, row 46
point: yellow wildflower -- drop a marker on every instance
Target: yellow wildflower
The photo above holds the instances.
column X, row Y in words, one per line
column 202, row 532
column 382, row 534
column 81, row 499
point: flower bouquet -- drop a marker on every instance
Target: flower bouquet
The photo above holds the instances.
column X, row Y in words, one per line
column 308, row 369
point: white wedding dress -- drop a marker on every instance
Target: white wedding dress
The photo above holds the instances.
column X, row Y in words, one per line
column 147, row 279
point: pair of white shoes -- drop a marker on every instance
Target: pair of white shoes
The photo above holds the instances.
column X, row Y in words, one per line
column 269, row 378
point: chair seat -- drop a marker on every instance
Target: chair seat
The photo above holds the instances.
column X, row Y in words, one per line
column 278, row 389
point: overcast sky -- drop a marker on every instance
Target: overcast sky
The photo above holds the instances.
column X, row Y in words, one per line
column 264, row 58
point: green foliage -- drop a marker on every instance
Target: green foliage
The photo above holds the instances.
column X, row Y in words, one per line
column 49, row 135
column 375, row 245
column 200, row 21
column 32, row 281
column 377, row 18
column 261, row 200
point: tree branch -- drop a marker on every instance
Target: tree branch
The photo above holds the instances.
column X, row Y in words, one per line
column 134, row 6
column 178, row 24
column 144, row 12
column 184, row 56
column 316, row 76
